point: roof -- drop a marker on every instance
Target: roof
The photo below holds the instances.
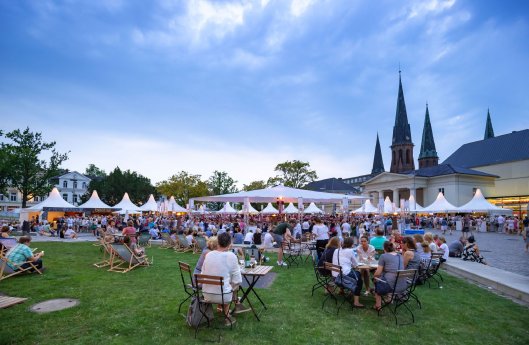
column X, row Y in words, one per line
column 446, row 169
column 330, row 184
column 378, row 164
column 428, row 143
column 401, row 129
column 501, row 149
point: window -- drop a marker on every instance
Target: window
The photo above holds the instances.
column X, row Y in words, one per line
column 74, row 184
column 65, row 196
column 13, row 196
column 407, row 156
column 84, row 185
column 442, row 190
column 65, row 184
column 75, row 198
column 36, row 198
column 1, row 197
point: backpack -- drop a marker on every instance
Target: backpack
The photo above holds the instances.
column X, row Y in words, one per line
column 195, row 317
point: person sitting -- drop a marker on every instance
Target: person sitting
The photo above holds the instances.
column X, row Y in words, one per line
column 257, row 240
column 20, row 255
column 429, row 239
column 471, row 251
column 153, row 232
column 268, row 241
column 212, row 244
column 419, row 239
column 222, row 262
column 455, row 249
column 412, row 259
column 344, row 257
column 248, row 238
column 386, row 274
column 70, row 233
column 327, row 255
column 365, row 253
column 130, row 231
column 444, row 248
column 136, row 249
column 5, row 232
column 238, row 238
column 378, row 240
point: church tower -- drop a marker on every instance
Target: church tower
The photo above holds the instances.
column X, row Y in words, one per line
column 378, row 164
column 402, row 146
column 489, row 131
column 428, row 156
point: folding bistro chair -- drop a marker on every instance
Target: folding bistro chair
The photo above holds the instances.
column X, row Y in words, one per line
column 187, row 282
column 400, row 294
column 203, row 305
column 291, row 252
column 7, row 271
column 433, row 269
column 321, row 280
column 123, row 259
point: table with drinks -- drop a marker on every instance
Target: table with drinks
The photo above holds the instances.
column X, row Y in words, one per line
column 251, row 272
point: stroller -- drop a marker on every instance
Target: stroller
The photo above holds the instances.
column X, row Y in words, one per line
column 470, row 254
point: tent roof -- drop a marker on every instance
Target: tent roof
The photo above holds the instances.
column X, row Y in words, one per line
column 280, row 192
column 227, row 208
column 388, row 206
column 174, row 207
column 269, row 209
column 441, row 205
column 95, row 203
column 312, row 209
column 291, row 209
column 414, row 206
column 480, row 204
column 201, row 210
column 54, row 201
column 126, row 205
column 366, row 208
column 251, row 210
column 150, row 205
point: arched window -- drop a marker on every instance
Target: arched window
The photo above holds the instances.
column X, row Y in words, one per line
column 401, row 158
column 408, row 156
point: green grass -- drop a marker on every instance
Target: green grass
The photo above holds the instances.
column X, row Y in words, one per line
column 140, row 307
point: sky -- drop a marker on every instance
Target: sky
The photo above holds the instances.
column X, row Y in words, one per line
column 163, row 86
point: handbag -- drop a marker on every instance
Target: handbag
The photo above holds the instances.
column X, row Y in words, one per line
column 382, row 287
column 199, row 313
column 348, row 281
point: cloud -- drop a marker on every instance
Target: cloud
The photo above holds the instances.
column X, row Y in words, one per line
column 299, row 7
column 423, row 8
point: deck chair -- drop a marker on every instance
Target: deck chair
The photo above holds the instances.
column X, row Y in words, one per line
column 203, row 305
column 292, row 252
column 167, row 241
column 6, row 244
column 124, row 259
column 106, row 249
column 6, row 271
column 433, row 271
column 187, row 282
column 201, row 243
column 400, row 295
column 182, row 245
column 144, row 239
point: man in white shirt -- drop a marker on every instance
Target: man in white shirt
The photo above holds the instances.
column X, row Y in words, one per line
column 501, row 223
column 248, row 238
column 305, row 227
column 297, row 231
column 268, row 241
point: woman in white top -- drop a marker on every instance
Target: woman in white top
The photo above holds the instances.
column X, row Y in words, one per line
column 268, row 241
column 444, row 248
column 344, row 257
column 365, row 253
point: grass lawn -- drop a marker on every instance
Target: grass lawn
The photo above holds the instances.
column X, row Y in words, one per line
column 140, row 307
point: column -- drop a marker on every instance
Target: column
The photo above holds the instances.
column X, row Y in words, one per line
column 380, row 196
column 396, row 197
column 413, row 192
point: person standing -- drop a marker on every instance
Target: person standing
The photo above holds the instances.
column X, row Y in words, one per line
column 321, row 234
column 501, row 222
column 281, row 234
column 526, row 232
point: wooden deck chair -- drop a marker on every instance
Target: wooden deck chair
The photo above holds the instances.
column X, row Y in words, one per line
column 401, row 294
column 144, row 240
column 7, row 271
column 124, row 259
column 182, row 244
column 167, row 241
column 201, row 243
column 106, row 249
column 6, row 244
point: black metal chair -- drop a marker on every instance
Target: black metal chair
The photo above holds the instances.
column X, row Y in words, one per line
column 433, row 269
column 401, row 294
column 292, row 252
column 187, row 282
column 321, row 280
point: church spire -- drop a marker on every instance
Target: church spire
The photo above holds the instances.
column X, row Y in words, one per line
column 489, row 131
column 402, row 146
column 428, row 156
column 378, row 164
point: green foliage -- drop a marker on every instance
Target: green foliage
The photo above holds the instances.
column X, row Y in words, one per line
column 254, row 185
column 183, row 186
column 295, row 174
column 141, row 307
column 112, row 187
column 24, row 166
column 220, row 183
column 93, row 171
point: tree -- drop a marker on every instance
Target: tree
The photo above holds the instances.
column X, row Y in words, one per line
column 220, row 183
column 93, row 171
column 183, row 186
column 294, row 174
column 260, row 184
column 4, row 171
column 26, row 170
column 112, row 187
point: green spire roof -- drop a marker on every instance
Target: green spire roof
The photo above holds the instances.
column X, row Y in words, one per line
column 489, row 131
column 427, row 144
column 378, row 164
column 401, row 130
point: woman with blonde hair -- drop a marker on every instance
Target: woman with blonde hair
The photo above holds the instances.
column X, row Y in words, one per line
column 212, row 244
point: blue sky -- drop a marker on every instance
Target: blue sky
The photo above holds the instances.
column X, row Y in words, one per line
column 239, row 86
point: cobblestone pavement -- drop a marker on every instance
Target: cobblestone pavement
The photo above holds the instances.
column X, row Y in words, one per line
column 502, row 251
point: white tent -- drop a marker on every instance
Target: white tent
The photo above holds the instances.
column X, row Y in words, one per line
column 388, row 206
column 201, row 210
column 126, row 205
column 414, row 206
column 95, row 203
column 174, row 207
column 441, row 205
column 269, row 209
column 251, row 210
column 53, row 202
column 367, row 207
column 283, row 193
column 228, row 209
column 480, row 204
column 312, row 209
column 291, row 209
column 150, row 205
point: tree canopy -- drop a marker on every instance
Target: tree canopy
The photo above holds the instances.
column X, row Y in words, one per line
column 112, row 187
column 254, row 185
column 23, row 164
column 183, row 186
column 295, row 174
column 93, row 171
